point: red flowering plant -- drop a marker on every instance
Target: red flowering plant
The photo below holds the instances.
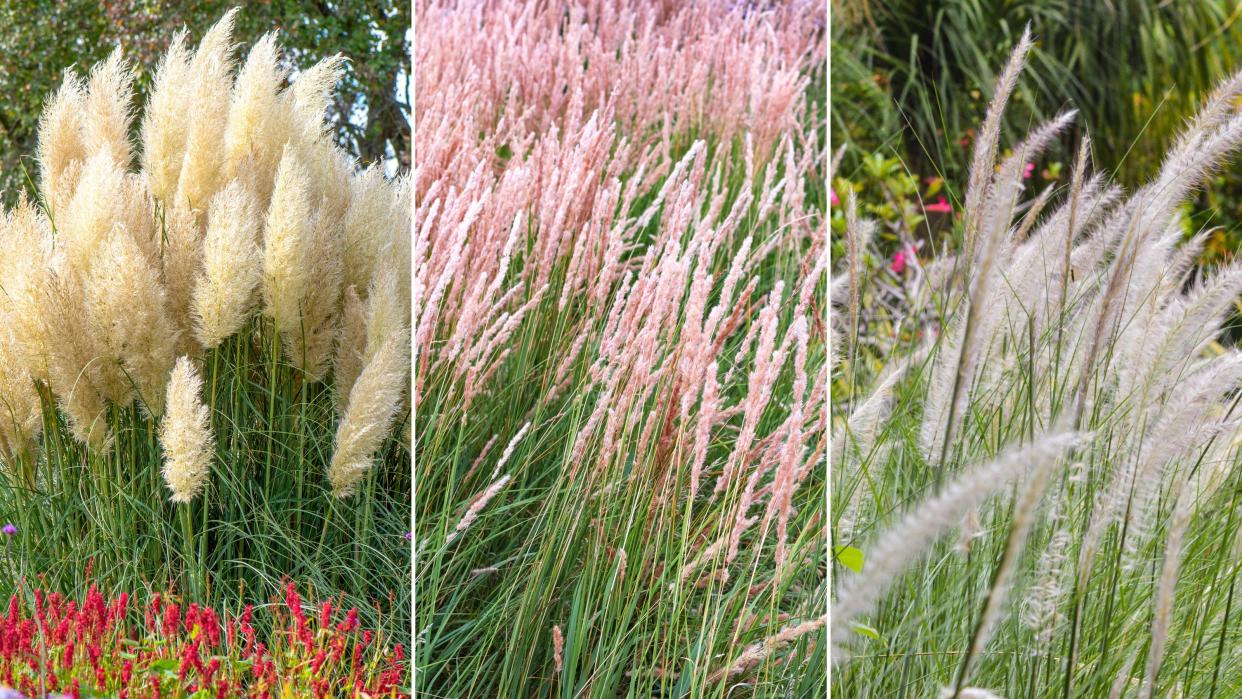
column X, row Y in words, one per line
column 104, row 648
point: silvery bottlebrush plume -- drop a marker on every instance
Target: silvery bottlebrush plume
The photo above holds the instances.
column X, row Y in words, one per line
column 1096, row 315
column 908, row 539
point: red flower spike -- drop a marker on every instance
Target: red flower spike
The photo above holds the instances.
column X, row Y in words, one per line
column 172, row 620
column 92, row 643
column 211, row 626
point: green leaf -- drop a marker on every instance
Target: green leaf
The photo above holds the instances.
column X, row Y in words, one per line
column 869, row 632
column 850, row 557
column 163, row 665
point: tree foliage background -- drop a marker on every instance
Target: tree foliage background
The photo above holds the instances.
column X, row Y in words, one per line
column 39, row 40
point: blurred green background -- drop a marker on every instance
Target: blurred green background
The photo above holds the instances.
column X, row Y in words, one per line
column 371, row 112
column 912, row 78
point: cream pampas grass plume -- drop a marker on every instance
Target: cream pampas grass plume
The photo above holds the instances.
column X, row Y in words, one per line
column 185, row 434
column 61, row 150
column 310, row 349
column 92, row 212
column 164, row 123
column 208, row 87
column 288, row 245
column 107, row 109
column 351, row 342
column 258, row 125
column 311, row 94
column 370, row 208
column 302, row 267
column 387, row 308
column 125, row 304
column 182, row 251
column 373, row 404
column 232, row 267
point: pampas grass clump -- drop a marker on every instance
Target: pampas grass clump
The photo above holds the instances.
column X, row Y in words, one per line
column 235, row 235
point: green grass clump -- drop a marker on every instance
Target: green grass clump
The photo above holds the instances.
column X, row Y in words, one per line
column 1034, row 487
column 620, row 381
column 204, row 344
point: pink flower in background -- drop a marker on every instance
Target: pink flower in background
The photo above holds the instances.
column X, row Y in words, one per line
column 833, row 199
column 899, row 262
column 941, row 206
column 1026, row 174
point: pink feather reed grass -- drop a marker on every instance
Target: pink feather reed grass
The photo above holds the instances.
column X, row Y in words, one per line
column 620, row 268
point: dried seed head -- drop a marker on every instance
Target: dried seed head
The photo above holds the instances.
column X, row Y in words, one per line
column 373, row 404
column 232, row 268
column 164, row 123
column 106, row 110
column 258, row 121
column 185, row 434
column 210, row 79
column 61, row 150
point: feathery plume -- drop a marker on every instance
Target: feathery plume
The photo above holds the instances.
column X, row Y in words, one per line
column 558, row 647
column 986, row 145
column 351, row 344
column 909, row 538
column 288, row 246
column 366, row 225
column 182, row 246
column 185, row 434
column 106, row 110
column 476, row 506
column 61, row 150
column 968, row 693
column 210, row 80
column 232, row 267
column 258, row 125
column 312, row 92
column 504, row 456
column 373, row 404
column 164, row 123
column 125, row 305
column 756, row 653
